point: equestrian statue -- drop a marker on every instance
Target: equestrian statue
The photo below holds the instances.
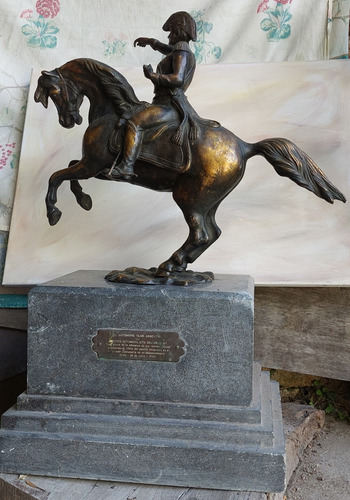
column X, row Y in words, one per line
column 164, row 146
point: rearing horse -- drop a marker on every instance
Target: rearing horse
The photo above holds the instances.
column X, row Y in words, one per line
column 217, row 165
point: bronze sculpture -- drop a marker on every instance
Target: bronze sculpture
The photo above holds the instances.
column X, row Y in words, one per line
column 163, row 146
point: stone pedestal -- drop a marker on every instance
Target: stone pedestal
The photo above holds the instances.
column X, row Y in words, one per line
column 145, row 384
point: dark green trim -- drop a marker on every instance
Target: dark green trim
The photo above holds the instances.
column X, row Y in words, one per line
column 12, row 301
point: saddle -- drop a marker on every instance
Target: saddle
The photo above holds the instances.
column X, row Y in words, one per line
column 157, row 147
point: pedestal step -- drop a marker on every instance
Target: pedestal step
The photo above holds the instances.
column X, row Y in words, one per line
column 167, row 451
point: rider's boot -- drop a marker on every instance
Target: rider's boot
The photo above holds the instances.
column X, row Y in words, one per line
column 132, row 144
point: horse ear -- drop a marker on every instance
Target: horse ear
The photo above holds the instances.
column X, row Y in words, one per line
column 41, row 95
column 51, row 74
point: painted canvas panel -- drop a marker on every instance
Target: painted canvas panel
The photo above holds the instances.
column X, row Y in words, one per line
column 272, row 229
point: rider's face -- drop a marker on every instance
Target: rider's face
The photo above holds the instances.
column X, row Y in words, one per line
column 174, row 36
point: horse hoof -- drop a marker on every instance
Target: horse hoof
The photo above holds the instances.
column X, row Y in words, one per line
column 54, row 216
column 161, row 273
column 168, row 268
column 85, row 202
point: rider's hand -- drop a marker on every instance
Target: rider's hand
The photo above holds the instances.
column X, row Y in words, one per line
column 142, row 42
column 148, row 71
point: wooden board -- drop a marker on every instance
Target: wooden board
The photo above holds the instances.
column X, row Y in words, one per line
column 40, row 488
column 304, row 330
column 14, row 318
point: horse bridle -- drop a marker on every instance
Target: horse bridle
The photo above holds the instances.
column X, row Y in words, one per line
column 64, row 86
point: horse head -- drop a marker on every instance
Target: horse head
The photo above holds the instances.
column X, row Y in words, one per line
column 65, row 95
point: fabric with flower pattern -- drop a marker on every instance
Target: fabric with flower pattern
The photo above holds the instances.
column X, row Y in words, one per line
column 115, row 47
column 276, row 25
column 41, row 32
column 203, row 49
column 47, row 8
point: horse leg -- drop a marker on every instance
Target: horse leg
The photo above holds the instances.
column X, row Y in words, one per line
column 83, row 199
column 199, row 238
column 214, row 233
column 199, row 210
column 76, row 171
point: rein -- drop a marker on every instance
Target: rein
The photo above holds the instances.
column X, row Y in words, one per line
column 102, row 119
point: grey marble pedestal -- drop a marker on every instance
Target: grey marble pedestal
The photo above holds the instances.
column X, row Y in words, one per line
column 146, row 384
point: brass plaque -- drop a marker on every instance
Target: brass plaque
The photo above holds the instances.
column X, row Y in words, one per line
column 135, row 345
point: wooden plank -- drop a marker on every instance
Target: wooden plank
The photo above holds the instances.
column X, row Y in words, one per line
column 14, row 318
column 15, row 289
column 16, row 489
column 72, row 489
column 13, row 310
column 149, row 492
column 304, row 330
column 41, row 488
column 223, row 495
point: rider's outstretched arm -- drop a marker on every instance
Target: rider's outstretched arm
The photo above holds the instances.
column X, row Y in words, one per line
column 163, row 48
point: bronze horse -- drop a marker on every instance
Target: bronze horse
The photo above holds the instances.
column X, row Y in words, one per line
column 217, row 165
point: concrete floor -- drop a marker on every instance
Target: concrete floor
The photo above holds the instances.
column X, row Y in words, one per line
column 324, row 469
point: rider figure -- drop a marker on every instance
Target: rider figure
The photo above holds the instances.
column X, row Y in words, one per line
column 171, row 80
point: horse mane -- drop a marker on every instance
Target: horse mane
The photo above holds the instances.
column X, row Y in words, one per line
column 117, row 88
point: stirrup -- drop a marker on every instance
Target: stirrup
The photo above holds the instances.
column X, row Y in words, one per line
column 116, row 172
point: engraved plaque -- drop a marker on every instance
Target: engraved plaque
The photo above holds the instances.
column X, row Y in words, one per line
column 135, row 345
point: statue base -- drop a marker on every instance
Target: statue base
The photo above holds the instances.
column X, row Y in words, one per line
column 145, row 384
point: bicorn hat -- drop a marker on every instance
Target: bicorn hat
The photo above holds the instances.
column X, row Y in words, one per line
column 184, row 21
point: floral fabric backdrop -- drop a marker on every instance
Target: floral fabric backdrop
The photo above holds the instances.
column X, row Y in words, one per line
column 46, row 33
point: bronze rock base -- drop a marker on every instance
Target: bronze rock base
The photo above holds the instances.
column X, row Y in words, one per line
column 140, row 276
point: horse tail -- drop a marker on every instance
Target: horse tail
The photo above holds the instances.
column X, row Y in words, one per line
column 290, row 161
